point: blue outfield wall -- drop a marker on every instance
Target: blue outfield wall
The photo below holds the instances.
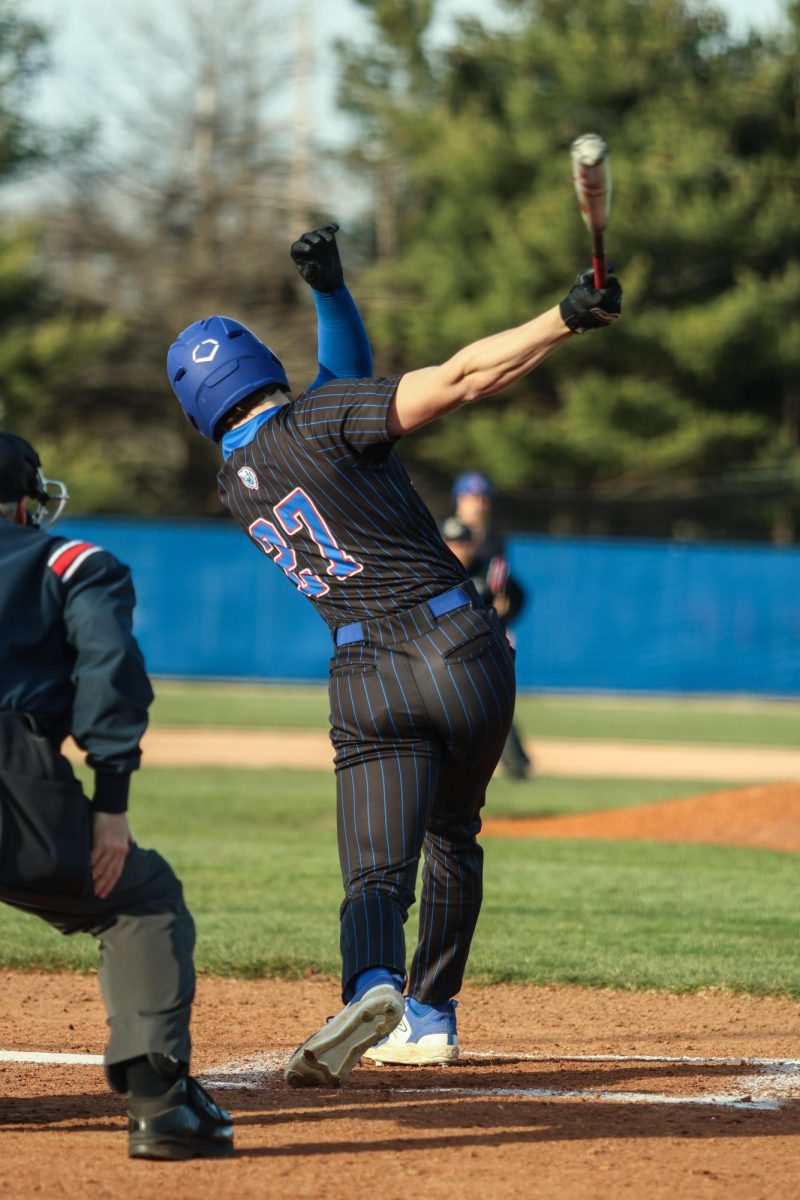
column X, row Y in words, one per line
column 603, row 614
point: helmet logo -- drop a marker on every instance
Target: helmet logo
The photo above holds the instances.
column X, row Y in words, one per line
column 248, row 477
column 210, row 353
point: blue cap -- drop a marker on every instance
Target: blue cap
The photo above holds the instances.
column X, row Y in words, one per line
column 472, row 482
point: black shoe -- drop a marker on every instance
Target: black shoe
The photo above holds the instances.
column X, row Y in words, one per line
column 183, row 1123
column 516, row 767
column 514, row 760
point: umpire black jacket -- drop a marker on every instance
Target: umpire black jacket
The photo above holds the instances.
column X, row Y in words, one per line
column 67, row 653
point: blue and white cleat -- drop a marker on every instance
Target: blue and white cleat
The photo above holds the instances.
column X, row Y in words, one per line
column 426, row 1036
column 329, row 1055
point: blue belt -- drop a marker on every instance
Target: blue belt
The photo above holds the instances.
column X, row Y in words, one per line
column 457, row 597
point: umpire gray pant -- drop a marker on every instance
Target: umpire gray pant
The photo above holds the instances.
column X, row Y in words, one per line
column 145, row 932
column 421, row 706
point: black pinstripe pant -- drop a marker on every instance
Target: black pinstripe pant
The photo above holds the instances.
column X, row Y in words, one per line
column 420, row 711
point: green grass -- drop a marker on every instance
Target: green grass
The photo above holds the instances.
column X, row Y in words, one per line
column 639, row 915
column 723, row 722
column 242, row 705
column 257, row 853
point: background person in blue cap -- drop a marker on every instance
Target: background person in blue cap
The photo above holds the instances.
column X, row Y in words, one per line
column 472, row 503
column 488, row 569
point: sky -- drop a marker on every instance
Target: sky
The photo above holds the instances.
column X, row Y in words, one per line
column 88, row 42
column 97, row 65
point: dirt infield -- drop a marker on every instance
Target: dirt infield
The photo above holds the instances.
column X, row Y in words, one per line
column 561, row 1092
column 529, row 1112
column 766, row 817
column 204, row 746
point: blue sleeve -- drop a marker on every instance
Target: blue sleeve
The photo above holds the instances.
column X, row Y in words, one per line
column 343, row 346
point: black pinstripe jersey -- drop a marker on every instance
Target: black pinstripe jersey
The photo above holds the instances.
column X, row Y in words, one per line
column 320, row 489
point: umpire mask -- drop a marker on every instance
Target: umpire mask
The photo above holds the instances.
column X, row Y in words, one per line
column 21, row 476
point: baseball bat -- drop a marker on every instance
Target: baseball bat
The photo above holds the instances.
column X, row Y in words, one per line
column 591, row 175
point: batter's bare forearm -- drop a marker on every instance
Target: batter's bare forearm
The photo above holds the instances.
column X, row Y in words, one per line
column 488, row 366
column 479, row 370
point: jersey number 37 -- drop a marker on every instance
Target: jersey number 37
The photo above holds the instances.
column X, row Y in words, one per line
column 294, row 513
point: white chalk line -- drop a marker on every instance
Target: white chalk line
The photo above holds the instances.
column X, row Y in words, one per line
column 775, row 1081
column 275, row 1060
column 254, row 1071
column 769, row 1083
column 734, row 1060
column 30, row 1056
column 604, row 1096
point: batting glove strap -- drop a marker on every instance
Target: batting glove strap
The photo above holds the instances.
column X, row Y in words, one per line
column 316, row 257
column 588, row 307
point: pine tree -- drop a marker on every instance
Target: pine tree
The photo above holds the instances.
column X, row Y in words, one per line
column 690, row 406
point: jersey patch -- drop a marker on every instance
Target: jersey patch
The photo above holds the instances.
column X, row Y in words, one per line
column 248, row 477
column 66, row 560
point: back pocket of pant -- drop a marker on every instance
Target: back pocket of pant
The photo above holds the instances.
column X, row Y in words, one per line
column 468, row 651
column 356, row 659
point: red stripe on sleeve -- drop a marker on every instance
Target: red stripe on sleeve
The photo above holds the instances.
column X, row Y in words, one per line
column 64, row 560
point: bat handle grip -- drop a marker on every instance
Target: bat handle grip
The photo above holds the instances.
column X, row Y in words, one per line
column 599, row 261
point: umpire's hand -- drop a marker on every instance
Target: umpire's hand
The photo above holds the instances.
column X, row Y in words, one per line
column 111, row 841
column 316, row 257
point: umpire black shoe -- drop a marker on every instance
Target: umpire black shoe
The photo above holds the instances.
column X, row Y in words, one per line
column 183, row 1123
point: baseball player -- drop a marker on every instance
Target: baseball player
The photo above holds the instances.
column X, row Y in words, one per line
column 472, row 503
column 489, row 571
column 70, row 665
column 421, row 677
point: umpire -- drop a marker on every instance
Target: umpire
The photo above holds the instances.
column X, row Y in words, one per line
column 69, row 665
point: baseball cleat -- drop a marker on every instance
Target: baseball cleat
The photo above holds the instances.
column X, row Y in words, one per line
column 183, row 1123
column 426, row 1037
column 329, row 1055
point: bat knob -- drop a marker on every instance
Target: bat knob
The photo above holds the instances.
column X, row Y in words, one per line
column 589, row 150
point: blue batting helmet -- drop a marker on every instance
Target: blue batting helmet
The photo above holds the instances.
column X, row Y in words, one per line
column 216, row 362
